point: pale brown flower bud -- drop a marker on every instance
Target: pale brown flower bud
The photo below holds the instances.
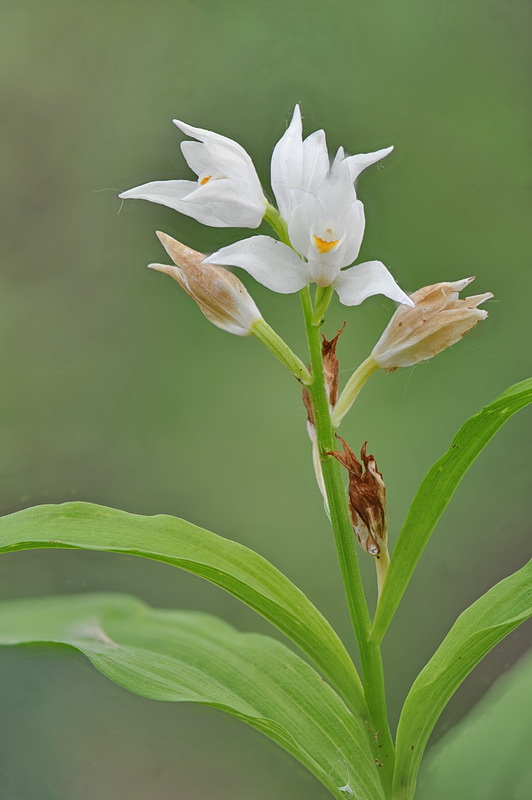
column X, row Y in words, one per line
column 220, row 295
column 438, row 320
column 367, row 498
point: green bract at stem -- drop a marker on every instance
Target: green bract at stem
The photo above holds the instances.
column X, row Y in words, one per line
column 343, row 534
column 352, row 389
column 278, row 224
column 280, row 350
column 321, row 304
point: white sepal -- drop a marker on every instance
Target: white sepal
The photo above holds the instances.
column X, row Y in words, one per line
column 269, row 261
column 354, row 285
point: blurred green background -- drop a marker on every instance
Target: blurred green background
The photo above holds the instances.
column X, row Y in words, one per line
column 116, row 390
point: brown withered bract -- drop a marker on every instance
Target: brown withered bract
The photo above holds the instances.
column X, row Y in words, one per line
column 308, row 405
column 367, row 498
column 330, row 366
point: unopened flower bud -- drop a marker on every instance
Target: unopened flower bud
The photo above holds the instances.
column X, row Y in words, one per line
column 438, row 320
column 367, row 498
column 220, row 295
column 225, row 301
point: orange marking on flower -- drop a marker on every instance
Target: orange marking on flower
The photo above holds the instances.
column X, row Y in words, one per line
column 322, row 246
column 205, row 180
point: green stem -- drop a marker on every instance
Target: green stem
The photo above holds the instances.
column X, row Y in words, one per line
column 343, row 534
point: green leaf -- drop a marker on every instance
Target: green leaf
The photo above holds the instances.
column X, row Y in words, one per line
column 233, row 567
column 435, row 492
column 474, row 634
column 195, row 657
column 487, row 755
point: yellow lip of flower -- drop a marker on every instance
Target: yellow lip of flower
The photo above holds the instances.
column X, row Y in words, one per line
column 323, row 246
column 205, row 180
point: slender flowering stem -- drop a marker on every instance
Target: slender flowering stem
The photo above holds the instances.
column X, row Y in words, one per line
column 352, row 389
column 343, row 533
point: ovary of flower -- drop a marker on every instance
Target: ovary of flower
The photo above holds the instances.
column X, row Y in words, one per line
column 439, row 319
column 227, row 192
column 222, row 298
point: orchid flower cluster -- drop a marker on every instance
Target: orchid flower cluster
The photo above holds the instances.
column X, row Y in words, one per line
column 320, row 222
column 318, row 208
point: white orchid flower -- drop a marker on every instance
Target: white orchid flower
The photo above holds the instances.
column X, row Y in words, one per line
column 227, row 192
column 304, row 164
column 325, row 225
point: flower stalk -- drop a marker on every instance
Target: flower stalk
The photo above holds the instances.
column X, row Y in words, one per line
column 370, row 656
column 280, row 350
column 352, row 389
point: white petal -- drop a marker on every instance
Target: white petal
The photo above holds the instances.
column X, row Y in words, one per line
column 358, row 163
column 353, row 222
column 306, row 211
column 287, row 163
column 315, row 162
column 234, row 203
column 324, row 269
column 196, row 156
column 354, row 285
column 226, row 155
column 209, row 137
column 173, row 194
column 270, row 262
column 167, row 193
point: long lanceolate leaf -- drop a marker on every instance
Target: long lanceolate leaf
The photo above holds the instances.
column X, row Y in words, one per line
column 474, row 634
column 233, row 567
column 189, row 656
column 436, row 491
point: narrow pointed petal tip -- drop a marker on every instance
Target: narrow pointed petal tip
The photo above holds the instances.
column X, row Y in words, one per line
column 166, row 269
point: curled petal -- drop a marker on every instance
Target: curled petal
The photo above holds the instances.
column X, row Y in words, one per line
column 270, row 262
column 226, row 146
column 357, row 164
column 354, row 285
